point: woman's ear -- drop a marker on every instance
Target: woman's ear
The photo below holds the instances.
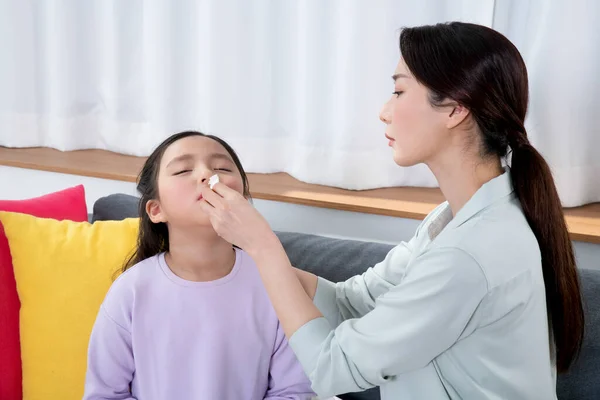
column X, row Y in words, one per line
column 457, row 116
column 154, row 211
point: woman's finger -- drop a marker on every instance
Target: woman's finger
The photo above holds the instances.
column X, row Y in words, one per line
column 211, row 197
column 207, row 207
column 225, row 191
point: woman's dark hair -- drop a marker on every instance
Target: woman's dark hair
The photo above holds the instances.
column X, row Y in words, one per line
column 154, row 238
column 481, row 70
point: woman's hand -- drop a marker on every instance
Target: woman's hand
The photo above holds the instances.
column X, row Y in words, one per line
column 236, row 220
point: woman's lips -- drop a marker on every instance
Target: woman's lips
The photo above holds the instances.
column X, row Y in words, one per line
column 391, row 141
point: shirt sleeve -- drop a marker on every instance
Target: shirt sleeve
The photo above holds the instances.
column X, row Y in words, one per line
column 409, row 326
column 356, row 296
column 287, row 380
column 110, row 361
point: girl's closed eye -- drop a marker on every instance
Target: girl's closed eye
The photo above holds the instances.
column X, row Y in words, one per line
column 182, row 172
column 223, row 169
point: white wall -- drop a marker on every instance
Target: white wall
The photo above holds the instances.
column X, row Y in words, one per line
column 18, row 183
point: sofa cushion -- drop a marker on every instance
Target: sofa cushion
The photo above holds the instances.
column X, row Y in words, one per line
column 65, row 204
column 61, row 285
column 333, row 259
column 115, row 207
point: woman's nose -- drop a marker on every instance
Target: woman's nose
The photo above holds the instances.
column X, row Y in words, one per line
column 385, row 114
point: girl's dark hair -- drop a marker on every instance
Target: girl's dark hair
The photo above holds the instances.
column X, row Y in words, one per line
column 480, row 69
column 154, row 238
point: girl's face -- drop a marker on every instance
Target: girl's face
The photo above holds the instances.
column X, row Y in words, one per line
column 416, row 131
column 185, row 166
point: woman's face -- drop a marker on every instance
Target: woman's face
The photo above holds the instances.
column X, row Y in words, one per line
column 416, row 131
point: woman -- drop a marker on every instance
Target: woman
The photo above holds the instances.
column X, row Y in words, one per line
column 483, row 302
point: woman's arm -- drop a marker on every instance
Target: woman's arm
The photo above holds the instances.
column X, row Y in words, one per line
column 284, row 288
column 110, row 361
column 308, row 282
column 356, row 296
column 412, row 324
column 237, row 221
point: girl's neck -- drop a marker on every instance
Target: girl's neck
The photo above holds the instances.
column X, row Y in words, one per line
column 199, row 257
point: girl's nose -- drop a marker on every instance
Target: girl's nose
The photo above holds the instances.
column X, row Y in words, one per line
column 204, row 176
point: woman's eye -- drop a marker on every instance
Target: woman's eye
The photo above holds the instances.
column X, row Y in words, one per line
column 223, row 169
column 182, row 172
column 398, row 93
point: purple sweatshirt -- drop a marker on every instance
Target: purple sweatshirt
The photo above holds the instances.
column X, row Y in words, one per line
column 175, row 339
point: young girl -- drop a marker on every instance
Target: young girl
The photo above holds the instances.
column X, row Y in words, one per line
column 189, row 318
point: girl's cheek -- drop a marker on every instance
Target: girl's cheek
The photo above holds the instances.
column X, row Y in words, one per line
column 232, row 182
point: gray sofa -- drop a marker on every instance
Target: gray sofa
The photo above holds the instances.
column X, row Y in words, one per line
column 337, row 260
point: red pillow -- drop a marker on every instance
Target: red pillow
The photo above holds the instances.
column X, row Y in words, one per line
column 67, row 204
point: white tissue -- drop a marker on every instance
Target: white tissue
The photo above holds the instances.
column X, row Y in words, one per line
column 213, row 181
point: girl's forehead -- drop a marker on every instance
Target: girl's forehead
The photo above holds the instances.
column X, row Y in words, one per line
column 196, row 146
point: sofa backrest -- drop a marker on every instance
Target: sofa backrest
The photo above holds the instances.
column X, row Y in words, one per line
column 338, row 260
column 582, row 382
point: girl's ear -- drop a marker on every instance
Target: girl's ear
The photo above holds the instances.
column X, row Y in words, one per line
column 154, row 211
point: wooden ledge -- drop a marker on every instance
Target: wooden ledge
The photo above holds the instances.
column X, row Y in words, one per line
column 404, row 202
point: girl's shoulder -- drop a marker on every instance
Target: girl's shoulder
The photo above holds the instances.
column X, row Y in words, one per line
column 119, row 301
column 141, row 269
column 127, row 283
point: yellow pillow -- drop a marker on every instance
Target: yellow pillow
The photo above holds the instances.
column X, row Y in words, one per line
column 63, row 270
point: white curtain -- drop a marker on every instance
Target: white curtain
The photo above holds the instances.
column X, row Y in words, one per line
column 294, row 85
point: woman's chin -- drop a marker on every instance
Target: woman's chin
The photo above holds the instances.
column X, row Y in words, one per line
column 402, row 160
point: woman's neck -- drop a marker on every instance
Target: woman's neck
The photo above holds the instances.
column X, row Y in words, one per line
column 461, row 176
column 199, row 256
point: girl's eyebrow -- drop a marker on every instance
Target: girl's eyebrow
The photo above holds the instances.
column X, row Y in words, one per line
column 183, row 157
column 191, row 157
column 220, row 156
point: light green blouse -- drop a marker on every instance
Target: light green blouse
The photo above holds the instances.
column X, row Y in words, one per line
column 458, row 312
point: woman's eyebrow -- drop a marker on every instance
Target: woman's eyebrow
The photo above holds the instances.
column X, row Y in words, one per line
column 397, row 76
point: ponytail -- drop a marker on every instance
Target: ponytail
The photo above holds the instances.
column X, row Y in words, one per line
column 535, row 189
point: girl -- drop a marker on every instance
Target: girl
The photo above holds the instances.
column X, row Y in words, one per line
column 483, row 302
column 189, row 317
